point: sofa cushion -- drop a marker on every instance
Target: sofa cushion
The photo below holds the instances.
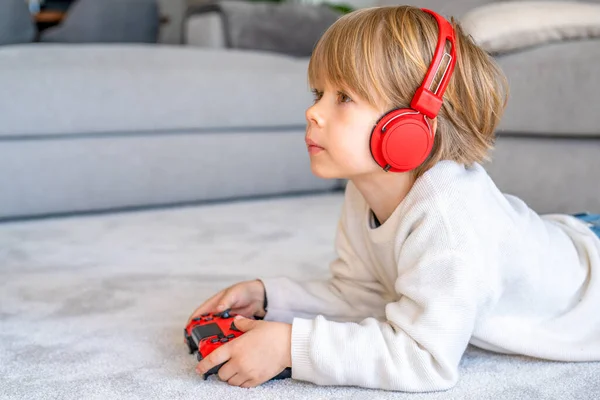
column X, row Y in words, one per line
column 553, row 89
column 511, row 26
column 103, row 88
column 82, row 173
column 97, row 127
column 551, row 174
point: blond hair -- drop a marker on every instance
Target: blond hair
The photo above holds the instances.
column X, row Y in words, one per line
column 382, row 54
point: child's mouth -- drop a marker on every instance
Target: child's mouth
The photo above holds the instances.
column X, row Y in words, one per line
column 313, row 149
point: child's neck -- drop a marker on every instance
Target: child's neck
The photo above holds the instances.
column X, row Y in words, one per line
column 384, row 191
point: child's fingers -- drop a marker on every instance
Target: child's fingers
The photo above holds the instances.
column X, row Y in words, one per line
column 233, row 298
column 208, row 306
column 230, row 299
column 247, row 311
column 218, row 356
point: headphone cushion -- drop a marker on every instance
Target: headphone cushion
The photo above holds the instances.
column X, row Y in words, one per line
column 405, row 142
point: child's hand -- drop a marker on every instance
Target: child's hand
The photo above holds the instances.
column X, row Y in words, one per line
column 262, row 352
column 245, row 298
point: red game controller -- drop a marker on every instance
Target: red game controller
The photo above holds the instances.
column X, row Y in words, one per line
column 208, row 332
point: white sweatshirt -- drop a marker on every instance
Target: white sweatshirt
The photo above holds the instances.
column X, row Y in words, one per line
column 457, row 262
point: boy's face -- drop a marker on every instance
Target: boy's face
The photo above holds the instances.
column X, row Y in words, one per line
column 338, row 132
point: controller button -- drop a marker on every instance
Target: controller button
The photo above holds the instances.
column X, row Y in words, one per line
column 209, row 319
column 215, row 340
column 224, row 340
column 196, row 319
column 231, row 336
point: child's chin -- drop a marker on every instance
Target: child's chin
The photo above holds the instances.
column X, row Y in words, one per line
column 324, row 173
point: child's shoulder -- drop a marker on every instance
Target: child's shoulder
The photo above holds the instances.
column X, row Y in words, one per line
column 446, row 188
column 452, row 184
column 445, row 181
column 446, row 174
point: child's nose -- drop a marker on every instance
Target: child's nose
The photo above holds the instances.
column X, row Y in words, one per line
column 313, row 115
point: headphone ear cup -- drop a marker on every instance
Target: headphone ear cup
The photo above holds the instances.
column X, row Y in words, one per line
column 401, row 140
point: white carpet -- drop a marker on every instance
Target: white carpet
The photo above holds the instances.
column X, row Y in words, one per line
column 93, row 307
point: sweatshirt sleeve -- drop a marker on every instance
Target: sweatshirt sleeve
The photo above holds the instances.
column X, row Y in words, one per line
column 416, row 348
column 350, row 294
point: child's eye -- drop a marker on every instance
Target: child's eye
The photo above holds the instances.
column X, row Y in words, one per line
column 344, row 98
column 317, row 95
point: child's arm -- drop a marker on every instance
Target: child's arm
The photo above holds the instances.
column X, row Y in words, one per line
column 289, row 298
column 417, row 349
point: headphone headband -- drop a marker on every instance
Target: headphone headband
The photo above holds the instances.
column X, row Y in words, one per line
column 425, row 100
column 402, row 139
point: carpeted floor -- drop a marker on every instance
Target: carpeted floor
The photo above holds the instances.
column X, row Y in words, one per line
column 93, row 307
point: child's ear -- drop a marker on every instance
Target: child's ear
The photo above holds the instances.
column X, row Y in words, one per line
column 433, row 123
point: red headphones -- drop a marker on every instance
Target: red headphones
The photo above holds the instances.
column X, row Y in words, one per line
column 402, row 139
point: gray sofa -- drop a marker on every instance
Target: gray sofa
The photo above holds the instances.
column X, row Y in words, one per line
column 99, row 127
